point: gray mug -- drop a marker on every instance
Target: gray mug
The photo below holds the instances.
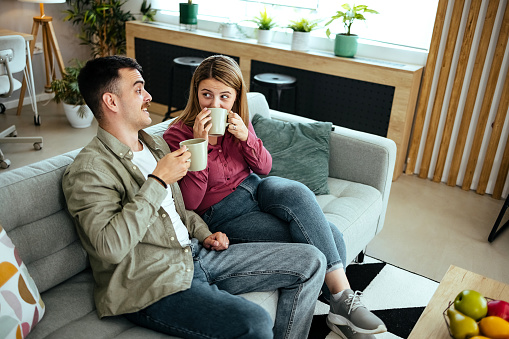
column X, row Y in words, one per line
column 219, row 116
column 198, row 149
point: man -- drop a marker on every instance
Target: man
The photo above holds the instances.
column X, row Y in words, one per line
column 154, row 261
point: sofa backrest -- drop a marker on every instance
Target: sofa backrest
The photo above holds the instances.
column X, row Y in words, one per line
column 34, row 214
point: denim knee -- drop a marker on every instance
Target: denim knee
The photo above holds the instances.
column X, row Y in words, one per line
column 284, row 191
column 257, row 324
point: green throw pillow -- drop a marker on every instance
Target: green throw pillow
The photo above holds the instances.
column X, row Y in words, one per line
column 300, row 151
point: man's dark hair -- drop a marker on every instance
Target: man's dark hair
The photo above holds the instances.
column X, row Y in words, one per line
column 100, row 76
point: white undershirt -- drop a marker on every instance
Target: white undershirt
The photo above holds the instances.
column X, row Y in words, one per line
column 147, row 163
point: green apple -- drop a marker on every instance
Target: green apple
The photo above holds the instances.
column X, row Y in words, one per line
column 472, row 304
column 461, row 326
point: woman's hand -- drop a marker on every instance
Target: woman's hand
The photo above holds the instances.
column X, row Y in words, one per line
column 237, row 126
column 216, row 242
column 202, row 124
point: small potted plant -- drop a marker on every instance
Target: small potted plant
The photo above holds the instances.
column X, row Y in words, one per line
column 67, row 91
column 148, row 14
column 302, row 33
column 265, row 25
column 345, row 44
column 188, row 13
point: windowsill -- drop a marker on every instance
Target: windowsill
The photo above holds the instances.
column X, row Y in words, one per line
column 367, row 49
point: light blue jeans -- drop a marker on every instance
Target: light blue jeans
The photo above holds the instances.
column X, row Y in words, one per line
column 280, row 210
column 211, row 308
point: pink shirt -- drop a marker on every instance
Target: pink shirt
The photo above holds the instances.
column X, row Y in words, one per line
column 229, row 163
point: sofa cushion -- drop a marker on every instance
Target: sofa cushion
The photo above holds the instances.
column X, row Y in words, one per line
column 300, row 151
column 33, row 211
column 355, row 210
column 21, row 306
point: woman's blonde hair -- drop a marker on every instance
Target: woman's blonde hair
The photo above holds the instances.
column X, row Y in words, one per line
column 225, row 70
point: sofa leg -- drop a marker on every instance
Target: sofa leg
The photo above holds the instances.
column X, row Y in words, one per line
column 360, row 258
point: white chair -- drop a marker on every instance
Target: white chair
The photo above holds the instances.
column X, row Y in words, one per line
column 12, row 60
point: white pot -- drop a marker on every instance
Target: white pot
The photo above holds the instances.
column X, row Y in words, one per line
column 300, row 41
column 229, row 30
column 264, row 36
column 71, row 112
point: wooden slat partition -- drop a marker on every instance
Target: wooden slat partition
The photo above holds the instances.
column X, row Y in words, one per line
column 427, row 82
column 502, row 173
column 480, row 58
column 465, row 118
column 487, row 101
column 452, row 35
column 466, row 47
column 495, row 136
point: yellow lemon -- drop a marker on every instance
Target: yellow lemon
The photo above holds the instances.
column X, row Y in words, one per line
column 494, row 327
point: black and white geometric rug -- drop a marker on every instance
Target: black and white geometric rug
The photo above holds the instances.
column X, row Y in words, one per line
column 395, row 295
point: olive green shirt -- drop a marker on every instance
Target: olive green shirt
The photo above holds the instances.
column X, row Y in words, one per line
column 134, row 252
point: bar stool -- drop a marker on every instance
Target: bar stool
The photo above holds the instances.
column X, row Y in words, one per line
column 276, row 82
column 188, row 65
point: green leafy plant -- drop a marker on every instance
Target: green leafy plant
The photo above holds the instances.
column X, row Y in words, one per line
column 147, row 11
column 303, row 25
column 349, row 16
column 264, row 21
column 67, row 90
column 102, row 24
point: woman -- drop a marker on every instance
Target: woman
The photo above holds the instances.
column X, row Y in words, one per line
column 232, row 198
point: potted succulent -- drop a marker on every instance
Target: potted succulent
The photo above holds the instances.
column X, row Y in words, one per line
column 188, row 13
column 302, row 33
column 265, row 25
column 67, row 91
column 345, row 44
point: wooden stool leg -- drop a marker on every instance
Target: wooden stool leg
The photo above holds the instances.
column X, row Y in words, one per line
column 494, row 233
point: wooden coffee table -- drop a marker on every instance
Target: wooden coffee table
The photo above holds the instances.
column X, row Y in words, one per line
column 431, row 324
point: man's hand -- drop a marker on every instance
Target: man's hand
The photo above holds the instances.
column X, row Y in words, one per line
column 173, row 166
column 217, row 242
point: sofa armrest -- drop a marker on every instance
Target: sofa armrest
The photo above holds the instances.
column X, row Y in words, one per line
column 359, row 157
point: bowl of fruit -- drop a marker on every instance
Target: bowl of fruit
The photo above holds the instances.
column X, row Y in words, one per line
column 473, row 316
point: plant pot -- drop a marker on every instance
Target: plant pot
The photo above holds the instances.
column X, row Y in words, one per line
column 188, row 13
column 71, row 112
column 345, row 45
column 229, row 30
column 264, row 36
column 300, row 41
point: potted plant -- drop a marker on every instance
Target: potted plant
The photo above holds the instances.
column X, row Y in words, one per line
column 302, row 33
column 345, row 44
column 265, row 25
column 67, row 91
column 188, row 13
column 148, row 14
column 102, row 24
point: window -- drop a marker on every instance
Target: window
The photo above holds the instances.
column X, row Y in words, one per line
column 396, row 24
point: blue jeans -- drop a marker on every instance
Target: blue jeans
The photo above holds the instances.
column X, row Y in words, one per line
column 279, row 210
column 211, row 308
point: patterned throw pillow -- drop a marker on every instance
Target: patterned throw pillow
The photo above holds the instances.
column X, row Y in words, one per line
column 21, row 306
